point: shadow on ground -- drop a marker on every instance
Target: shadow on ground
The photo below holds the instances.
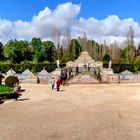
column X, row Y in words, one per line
column 23, row 99
column 1, row 102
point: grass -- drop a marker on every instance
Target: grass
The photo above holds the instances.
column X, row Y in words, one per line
column 5, row 90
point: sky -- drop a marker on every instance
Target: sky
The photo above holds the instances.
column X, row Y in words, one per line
column 100, row 19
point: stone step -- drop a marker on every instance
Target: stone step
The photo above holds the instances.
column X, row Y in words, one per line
column 84, row 79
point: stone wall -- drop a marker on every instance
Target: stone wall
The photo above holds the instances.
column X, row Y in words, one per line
column 110, row 78
column 135, row 78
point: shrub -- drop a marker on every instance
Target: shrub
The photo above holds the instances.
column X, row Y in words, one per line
column 5, row 92
column 137, row 64
column 5, row 89
column 117, row 68
column 11, row 80
column 34, row 67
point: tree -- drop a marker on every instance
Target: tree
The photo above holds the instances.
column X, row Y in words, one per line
column 74, row 49
column 138, row 51
column 130, row 44
column 137, row 64
column 124, row 56
column 56, row 37
column 78, row 48
column 1, row 52
column 17, row 51
column 49, row 50
column 106, row 59
column 36, row 47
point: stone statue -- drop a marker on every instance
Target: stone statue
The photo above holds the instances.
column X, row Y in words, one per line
column 110, row 64
column 58, row 63
column 1, row 76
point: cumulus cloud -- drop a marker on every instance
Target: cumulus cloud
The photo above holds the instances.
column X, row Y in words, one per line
column 64, row 18
column 109, row 29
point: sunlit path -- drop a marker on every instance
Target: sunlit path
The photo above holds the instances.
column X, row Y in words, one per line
column 89, row 112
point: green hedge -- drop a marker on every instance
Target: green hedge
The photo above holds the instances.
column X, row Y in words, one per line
column 5, row 92
column 19, row 68
column 34, row 67
column 5, row 89
column 117, row 68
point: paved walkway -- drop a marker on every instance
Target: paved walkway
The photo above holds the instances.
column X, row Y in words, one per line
column 78, row 112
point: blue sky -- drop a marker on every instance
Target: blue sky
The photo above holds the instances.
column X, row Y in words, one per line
column 101, row 20
column 100, row 9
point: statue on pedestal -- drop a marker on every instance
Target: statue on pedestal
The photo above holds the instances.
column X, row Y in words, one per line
column 110, row 64
column 58, row 63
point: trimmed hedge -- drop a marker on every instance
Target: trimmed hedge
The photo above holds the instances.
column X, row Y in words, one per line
column 19, row 68
column 118, row 68
column 5, row 92
column 5, row 89
column 11, row 80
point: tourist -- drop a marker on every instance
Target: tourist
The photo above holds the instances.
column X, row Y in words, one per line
column 88, row 67
column 16, row 90
column 65, row 78
column 69, row 74
column 58, row 83
column 1, row 76
column 77, row 68
column 85, row 66
column 52, row 83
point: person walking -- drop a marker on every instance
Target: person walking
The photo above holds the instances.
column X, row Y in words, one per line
column 88, row 67
column 53, row 83
column 16, row 91
column 77, row 69
column 58, row 83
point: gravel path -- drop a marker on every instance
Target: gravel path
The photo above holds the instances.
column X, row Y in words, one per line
column 77, row 112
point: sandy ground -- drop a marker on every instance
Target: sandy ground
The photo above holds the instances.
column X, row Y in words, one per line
column 78, row 112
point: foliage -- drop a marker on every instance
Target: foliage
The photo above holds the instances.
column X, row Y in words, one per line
column 36, row 54
column 1, row 52
column 124, row 56
column 34, row 67
column 36, row 48
column 74, row 49
column 49, row 51
column 17, row 51
column 117, row 68
column 106, row 60
column 11, row 80
column 5, row 89
column 137, row 64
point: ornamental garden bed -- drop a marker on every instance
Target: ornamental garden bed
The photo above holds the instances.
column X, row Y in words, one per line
column 5, row 92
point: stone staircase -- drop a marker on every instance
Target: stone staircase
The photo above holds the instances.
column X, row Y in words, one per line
column 84, row 78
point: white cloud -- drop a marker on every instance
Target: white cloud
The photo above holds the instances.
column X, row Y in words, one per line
column 63, row 18
column 110, row 29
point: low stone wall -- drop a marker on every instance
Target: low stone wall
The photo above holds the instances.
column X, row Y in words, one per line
column 110, row 78
column 135, row 78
